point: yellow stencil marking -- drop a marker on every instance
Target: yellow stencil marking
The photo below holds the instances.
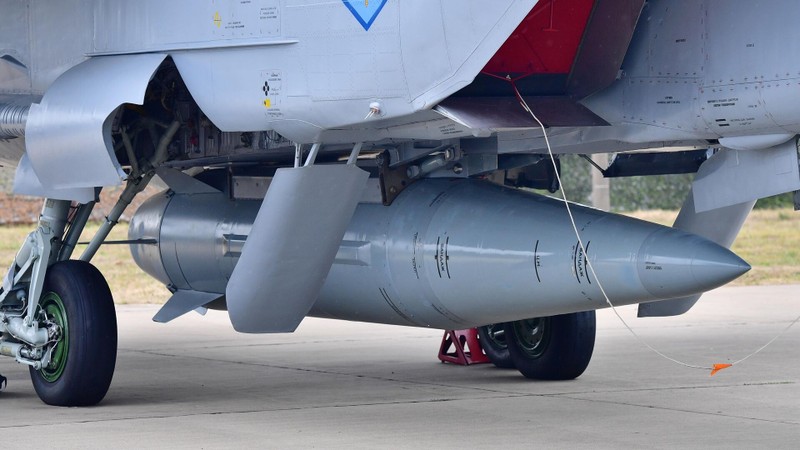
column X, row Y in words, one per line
column 217, row 19
column 268, row 103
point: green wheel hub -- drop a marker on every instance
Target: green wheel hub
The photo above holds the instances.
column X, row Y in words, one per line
column 533, row 336
column 53, row 308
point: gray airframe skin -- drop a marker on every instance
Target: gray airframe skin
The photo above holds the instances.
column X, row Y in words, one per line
column 363, row 160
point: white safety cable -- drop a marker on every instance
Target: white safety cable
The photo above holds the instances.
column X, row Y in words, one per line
column 768, row 343
column 594, row 274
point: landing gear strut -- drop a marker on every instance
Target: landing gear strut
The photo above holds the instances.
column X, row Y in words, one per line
column 56, row 314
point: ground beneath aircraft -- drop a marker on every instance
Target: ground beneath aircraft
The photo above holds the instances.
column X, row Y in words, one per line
column 22, row 209
column 196, row 383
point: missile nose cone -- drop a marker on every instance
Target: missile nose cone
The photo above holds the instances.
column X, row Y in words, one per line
column 716, row 264
column 673, row 263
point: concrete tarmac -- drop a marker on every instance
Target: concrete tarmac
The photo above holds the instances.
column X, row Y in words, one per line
column 195, row 383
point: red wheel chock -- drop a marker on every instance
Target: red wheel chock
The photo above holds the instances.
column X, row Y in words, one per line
column 467, row 348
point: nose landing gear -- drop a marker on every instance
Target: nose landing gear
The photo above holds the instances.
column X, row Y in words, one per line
column 78, row 300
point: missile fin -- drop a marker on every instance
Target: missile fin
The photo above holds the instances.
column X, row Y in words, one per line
column 183, row 302
column 182, row 183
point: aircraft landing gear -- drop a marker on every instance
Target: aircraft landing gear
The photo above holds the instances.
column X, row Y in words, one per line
column 543, row 348
column 552, row 348
column 77, row 299
column 493, row 341
column 56, row 314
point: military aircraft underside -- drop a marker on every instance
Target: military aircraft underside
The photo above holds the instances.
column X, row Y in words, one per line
column 370, row 161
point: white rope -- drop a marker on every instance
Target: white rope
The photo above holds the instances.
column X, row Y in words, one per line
column 714, row 367
column 770, row 341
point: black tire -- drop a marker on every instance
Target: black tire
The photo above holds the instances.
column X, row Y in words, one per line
column 493, row 342
column 80, row 373
column 552, row 348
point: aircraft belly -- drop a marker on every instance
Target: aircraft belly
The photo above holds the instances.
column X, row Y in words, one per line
column 278, row 94
column 688, row 73
column 729, row 114
column 780, row 103
column 301, row 68
column 666, row 101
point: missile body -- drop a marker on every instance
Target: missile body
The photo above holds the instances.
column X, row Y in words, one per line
column 448, row 254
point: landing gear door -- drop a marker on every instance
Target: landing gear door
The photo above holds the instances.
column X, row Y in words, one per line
column 69, row 131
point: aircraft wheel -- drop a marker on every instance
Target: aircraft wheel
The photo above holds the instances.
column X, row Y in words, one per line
column 493, row 342
column 77, row 298
column 552, row 348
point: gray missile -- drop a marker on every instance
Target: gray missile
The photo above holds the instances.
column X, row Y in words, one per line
column 447, row 254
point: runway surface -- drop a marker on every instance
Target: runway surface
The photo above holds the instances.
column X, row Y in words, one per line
column 195, row 383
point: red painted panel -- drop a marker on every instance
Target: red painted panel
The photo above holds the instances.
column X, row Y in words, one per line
column 546, row 41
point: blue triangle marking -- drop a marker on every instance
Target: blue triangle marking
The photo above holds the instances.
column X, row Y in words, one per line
column 365, row 11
